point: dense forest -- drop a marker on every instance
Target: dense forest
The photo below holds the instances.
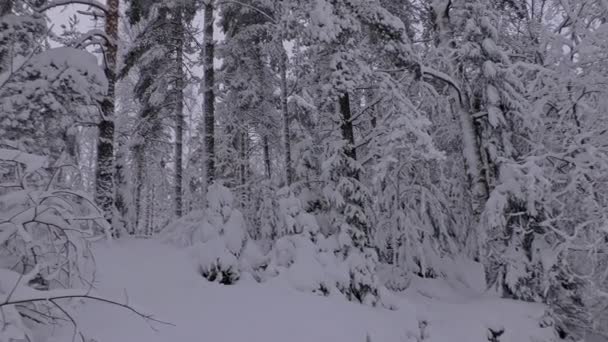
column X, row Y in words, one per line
column 356, row 145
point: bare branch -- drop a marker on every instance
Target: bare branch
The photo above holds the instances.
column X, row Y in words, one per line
column 43, row 297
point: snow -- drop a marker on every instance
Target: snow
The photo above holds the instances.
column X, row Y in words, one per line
column 163, row 280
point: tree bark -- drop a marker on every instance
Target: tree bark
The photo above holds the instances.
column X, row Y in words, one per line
column 285, row 113
column 209, row 95
column 348, row 133
column 472, row 157
column 267, row 157
column 120, row 181
column 462, row 106
column 139, row 160
column 243, row 165
column 179, row 110
column 104, row 179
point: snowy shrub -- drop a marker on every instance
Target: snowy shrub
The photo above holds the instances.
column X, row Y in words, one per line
column 267, row 218
column 312, row 262
column 393, row 277
column 219, row 237
column 217, row 263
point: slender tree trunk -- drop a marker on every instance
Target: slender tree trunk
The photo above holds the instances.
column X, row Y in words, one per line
column 285, row 113
column 267, row 157
column 104, row 182
column 138, row 152
column 209, row 95
column 120, row 181
column 348, row 133
column 179, row 111
column 153, row 210
column 243, row 166
column 149, row 210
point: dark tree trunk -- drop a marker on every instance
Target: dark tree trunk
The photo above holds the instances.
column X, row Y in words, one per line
column 120, row 183
column 285, row 112
column 243, row 166
column 209, row 95
column 139, row 160
column 348, row 133
column 179, row 111
column 104, row 179
column 267, row 157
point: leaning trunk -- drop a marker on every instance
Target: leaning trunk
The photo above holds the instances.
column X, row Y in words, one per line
column 462, row 106
column 472, row 157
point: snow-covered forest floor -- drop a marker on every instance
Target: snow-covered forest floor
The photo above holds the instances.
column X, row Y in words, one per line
column 162, row 280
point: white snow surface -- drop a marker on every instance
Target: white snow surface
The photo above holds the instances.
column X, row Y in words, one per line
column 163, row 280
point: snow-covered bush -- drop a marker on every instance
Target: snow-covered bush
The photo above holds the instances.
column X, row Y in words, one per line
column 267, row 217
column 217, row 263
column 393, row 277
column 309, row 261
column 218, row 237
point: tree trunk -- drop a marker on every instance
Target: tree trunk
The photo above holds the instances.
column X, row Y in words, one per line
column 179, row 111
column 267, row 157
column 348, row 133
column 121, row 186
column 209, row 95
column 285, row 113
column 243, row 165
column 104, row 182
column 462, row 107
column 139, row 160
column 472, row 157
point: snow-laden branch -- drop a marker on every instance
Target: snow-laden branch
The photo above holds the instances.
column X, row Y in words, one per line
column 93, row 14
column 90, row 36
column 426, row 71
column 443, row 77
column 262, row 12
column 58, row 3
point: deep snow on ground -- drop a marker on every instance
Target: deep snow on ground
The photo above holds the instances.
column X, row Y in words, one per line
column 162, row 280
